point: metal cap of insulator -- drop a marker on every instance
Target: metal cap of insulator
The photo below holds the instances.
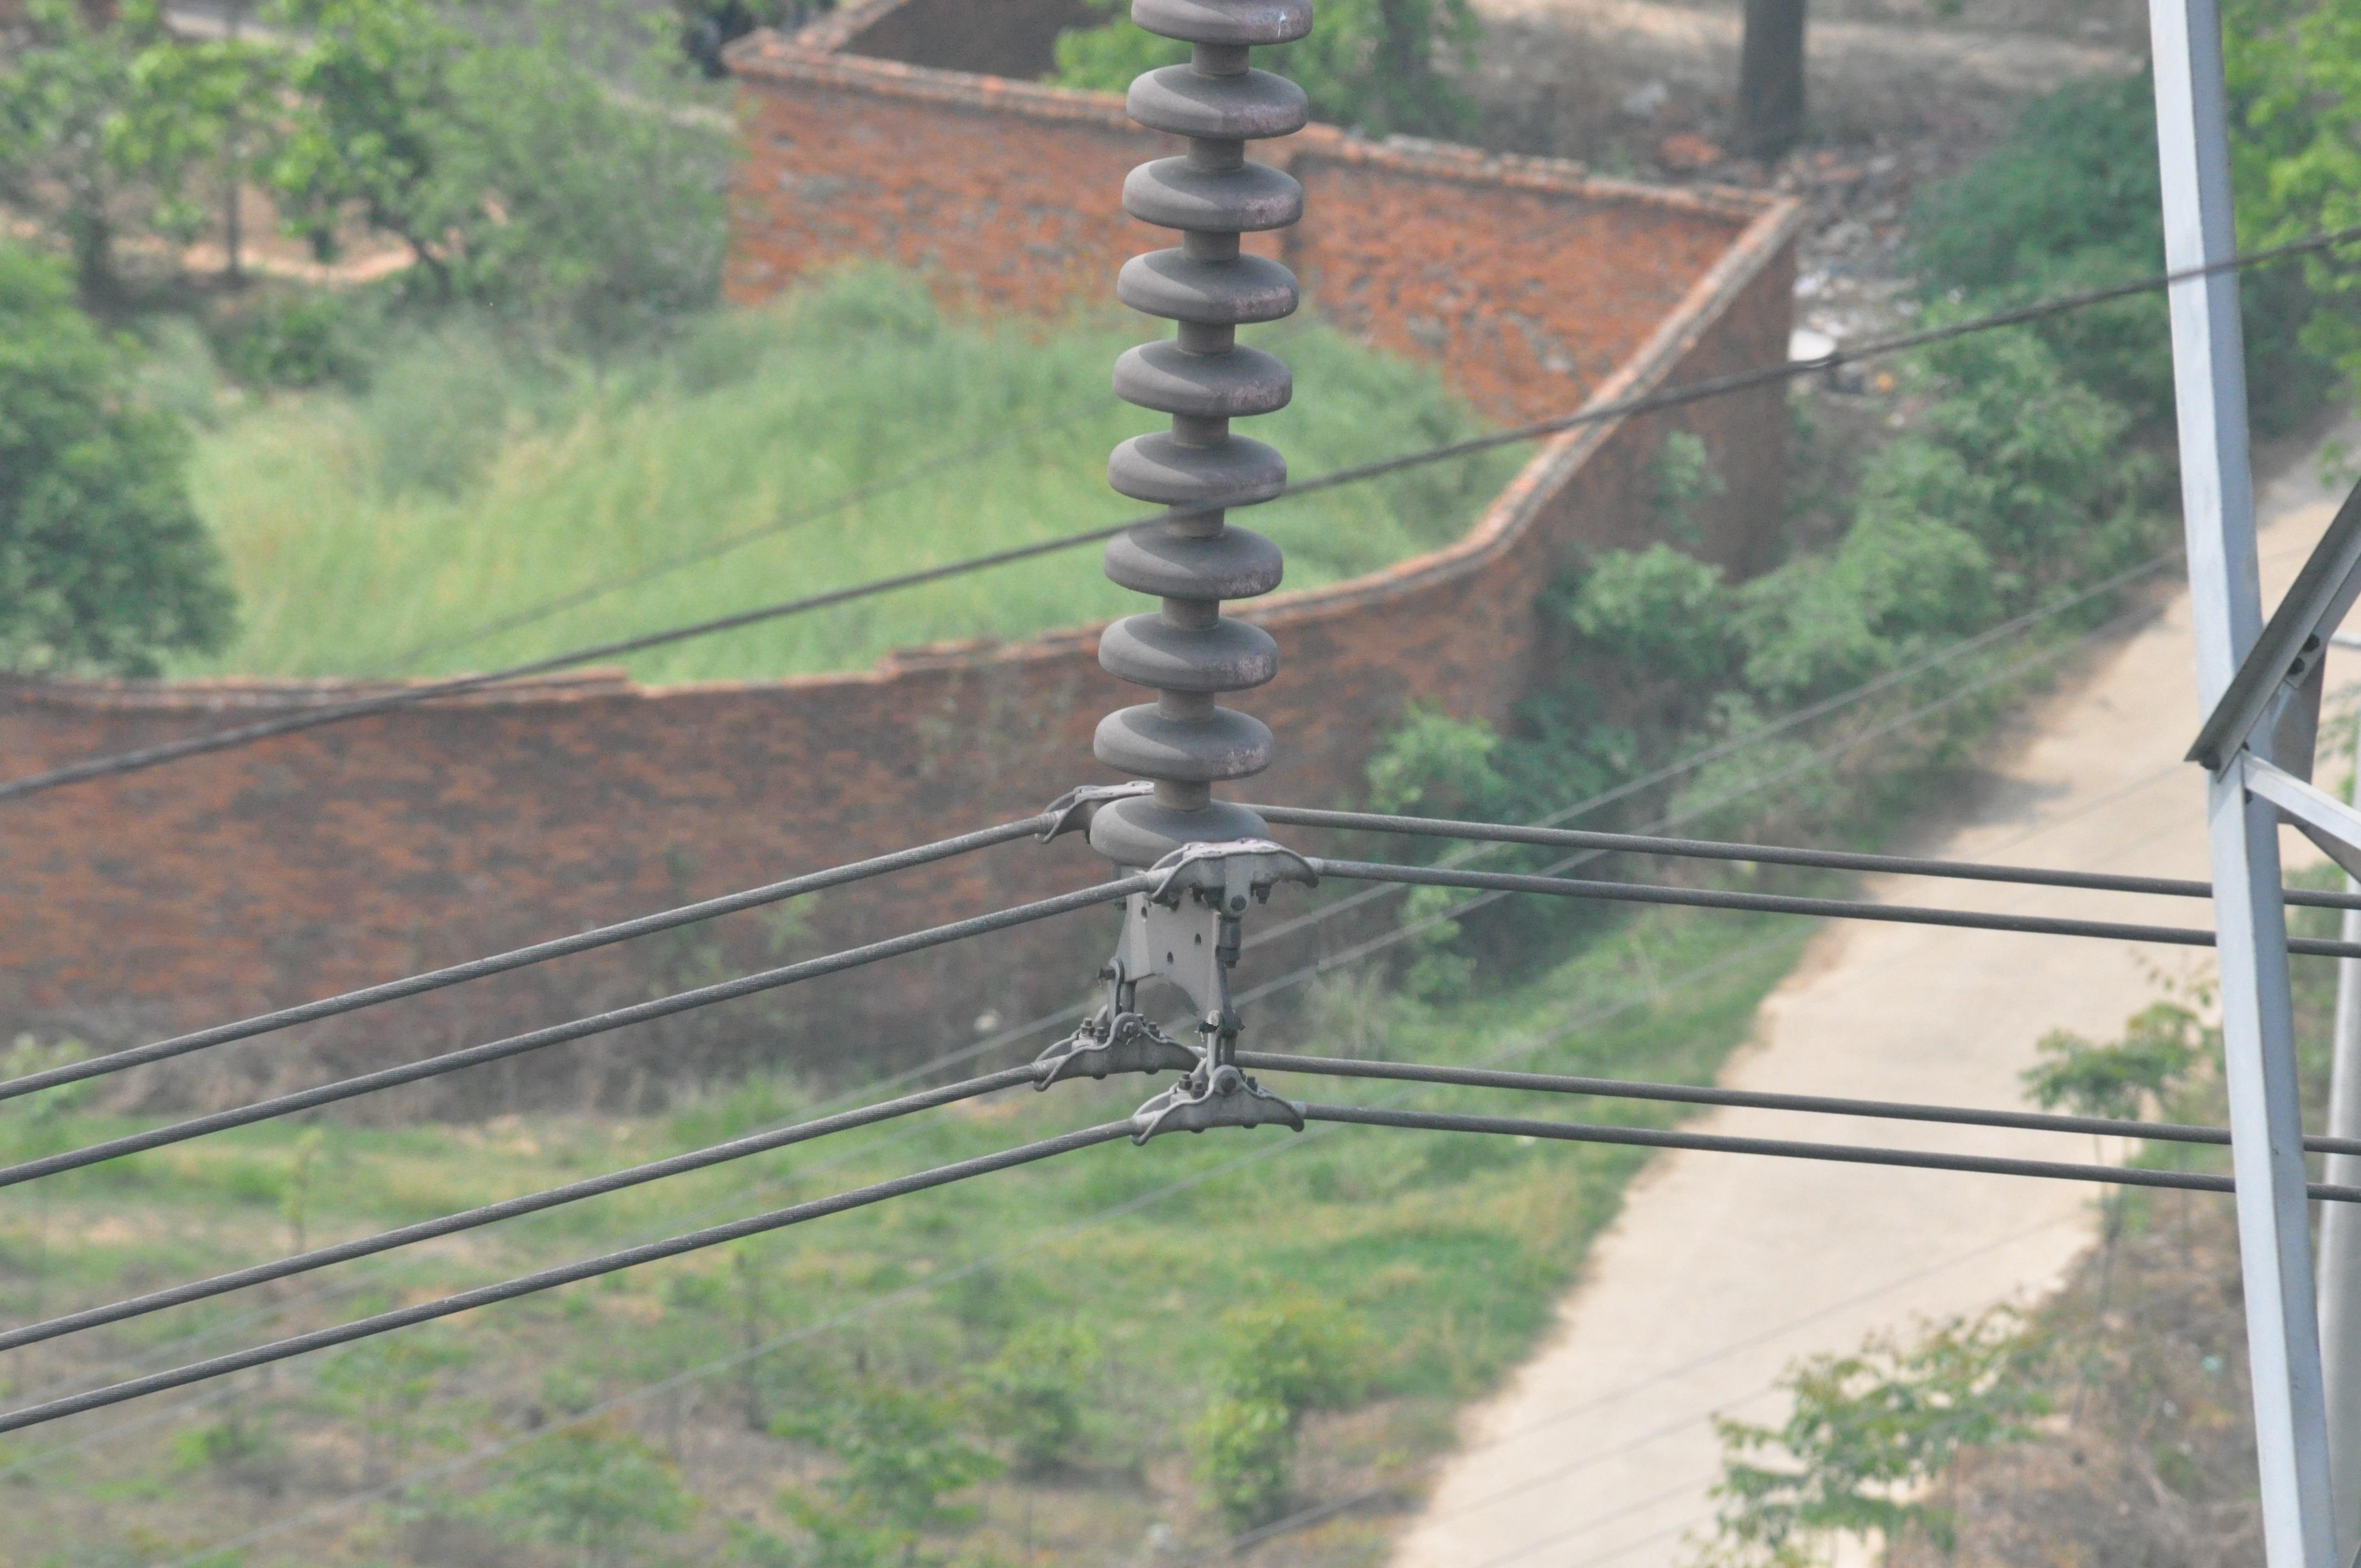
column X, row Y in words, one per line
column 1187, row 652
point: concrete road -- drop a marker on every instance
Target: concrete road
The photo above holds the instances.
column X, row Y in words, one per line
column 1723, row 1269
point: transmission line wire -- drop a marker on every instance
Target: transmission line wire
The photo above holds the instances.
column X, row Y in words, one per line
column 1697, row 1094
column 1773, row 854
column 520, row 958
column 579, row 1028
column 485, row 1452
column 1790, row 1148
column 1789, row 903
column 512, row 1208
column 567, row 1274
column 152, row 756
column 1320, row 966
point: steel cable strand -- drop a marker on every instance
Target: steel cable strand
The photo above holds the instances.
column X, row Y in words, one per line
column 1790, row 1148
column 580, row 1028
column 2117, row 623
column 1816, row 1104
column 1307, row 972
column 1369, row 947
column 512, row 1208
column 1774, row 855
column 567, row 1274
column 167, row 752
column 519, row 958
column 1787, row 903
column 1726, row 960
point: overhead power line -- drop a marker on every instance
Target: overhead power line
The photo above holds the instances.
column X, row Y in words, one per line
column 549, row 1279
column 1771, row 854
column 147, row 757
column 1698, row 1095
column 1787, row 1148
column 520, row 958
column 579, row 1028
column 513, row 1207
column 1784, row 903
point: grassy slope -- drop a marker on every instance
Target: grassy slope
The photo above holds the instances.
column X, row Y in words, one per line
column 465, row 486
column 1450, row 1250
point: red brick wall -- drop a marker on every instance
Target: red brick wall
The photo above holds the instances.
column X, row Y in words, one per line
column 262, row 876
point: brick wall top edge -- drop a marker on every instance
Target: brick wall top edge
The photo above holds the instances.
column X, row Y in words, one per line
column 769, row 57
column 1504, row 520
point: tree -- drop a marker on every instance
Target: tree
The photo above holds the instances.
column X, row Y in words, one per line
column 1369, row 63
column 596, row 1492
column 1771, row 79
column 2294, row 71
column 106, row 127
column 1281, row 1362
column 104, row 563
column 1868, row 1434
column 904, row 1451
column 518, row 178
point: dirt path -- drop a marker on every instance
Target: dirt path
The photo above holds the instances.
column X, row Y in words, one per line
column 1721, row 1270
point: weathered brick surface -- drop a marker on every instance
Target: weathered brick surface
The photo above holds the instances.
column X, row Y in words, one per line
column 314, row 862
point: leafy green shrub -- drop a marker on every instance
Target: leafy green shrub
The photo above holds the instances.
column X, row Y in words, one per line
column 903, row 1450
column 1038, row 1388
column 1868, row 1434
column 108, row 128
column 284, row 338
column 2162, row 1044
column 1370, row 64
column 593, row 1491
column 104, row 565
column 1246, row 1455
column 2070, row 201
column 1664, row 612
column 1279, row 1360
column 2295, row 73
column 518, row 177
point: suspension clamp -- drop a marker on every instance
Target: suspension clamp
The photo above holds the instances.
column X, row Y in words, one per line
column 1072, row 811
column 1218, row 1094
column 1111, row 1042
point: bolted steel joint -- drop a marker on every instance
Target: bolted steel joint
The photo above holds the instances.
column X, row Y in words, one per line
column 1185, row 742
column 1225, row 875
column 1112, row 1042
column 1215, row 1095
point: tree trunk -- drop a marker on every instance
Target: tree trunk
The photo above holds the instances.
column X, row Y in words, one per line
column 1771, row 79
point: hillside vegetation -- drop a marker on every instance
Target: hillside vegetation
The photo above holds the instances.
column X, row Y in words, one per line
column 471, row 482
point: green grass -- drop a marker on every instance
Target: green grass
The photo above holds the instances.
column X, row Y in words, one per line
column 1447, row 1251
column 380, row 533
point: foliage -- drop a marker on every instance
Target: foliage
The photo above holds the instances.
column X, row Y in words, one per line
column 1665, row 612
column 105, row 128
column 2295, row 71
column 595, row 1492
column 1279, row 1360
column 2162, row 1044
column 1367, row 63
column 385, row 1385
column 240, row 1444
column 1245, row 1454
column 1686, row 477
column 2072, row 200
column 104, row 563
column 1868, row 1432
column 478, row 477
column 518, row 177
column 903, row 1449
column 1038, row 1388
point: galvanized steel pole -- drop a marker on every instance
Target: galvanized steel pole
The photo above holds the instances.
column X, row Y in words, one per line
column 1188, row 653
column 2225, row 600
column 2340, row 1242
